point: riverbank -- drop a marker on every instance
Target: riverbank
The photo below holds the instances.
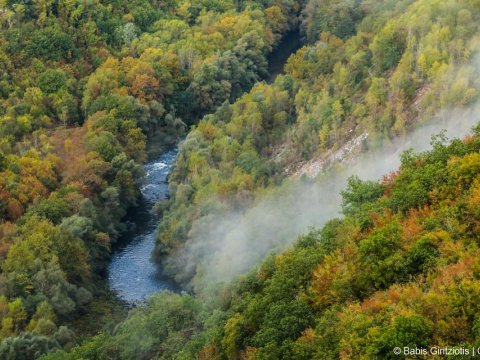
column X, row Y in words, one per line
column 131, row 274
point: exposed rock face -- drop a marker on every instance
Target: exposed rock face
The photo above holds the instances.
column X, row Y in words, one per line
column 314, row 166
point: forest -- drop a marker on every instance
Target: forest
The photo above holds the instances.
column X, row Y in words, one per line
column 400, row 268
column 90, row 90
column 398, row 70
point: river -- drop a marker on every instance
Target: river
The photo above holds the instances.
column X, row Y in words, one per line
column 133, row 276
column 131, row 273
column 290, row 43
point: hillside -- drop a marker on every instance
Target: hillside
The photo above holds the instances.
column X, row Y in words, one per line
column 89, row 91
column 399, row 65
column 399, row 269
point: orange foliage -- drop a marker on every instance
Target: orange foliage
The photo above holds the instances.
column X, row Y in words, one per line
column 209, row 352
column 411, row 226
column 31, row 177
column 450, row 275
column 388, row 181
column 333, row 273
column 380, row 220
column 144, row 87
column 69, row 145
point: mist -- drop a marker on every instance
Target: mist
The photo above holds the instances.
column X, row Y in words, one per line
column 223, row 246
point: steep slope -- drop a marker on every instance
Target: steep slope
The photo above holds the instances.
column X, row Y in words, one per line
column 401, row 269
column 83, row 87
column 402, row 63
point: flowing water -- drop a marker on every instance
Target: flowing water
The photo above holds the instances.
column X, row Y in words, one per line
column 133, row 276
column 131, row 273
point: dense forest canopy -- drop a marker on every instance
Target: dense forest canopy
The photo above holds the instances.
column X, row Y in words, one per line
column 400, row 269
column 90, row 89
column 83, row 87
column 405, row 62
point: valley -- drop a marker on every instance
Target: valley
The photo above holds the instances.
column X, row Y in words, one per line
column 238, row 179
